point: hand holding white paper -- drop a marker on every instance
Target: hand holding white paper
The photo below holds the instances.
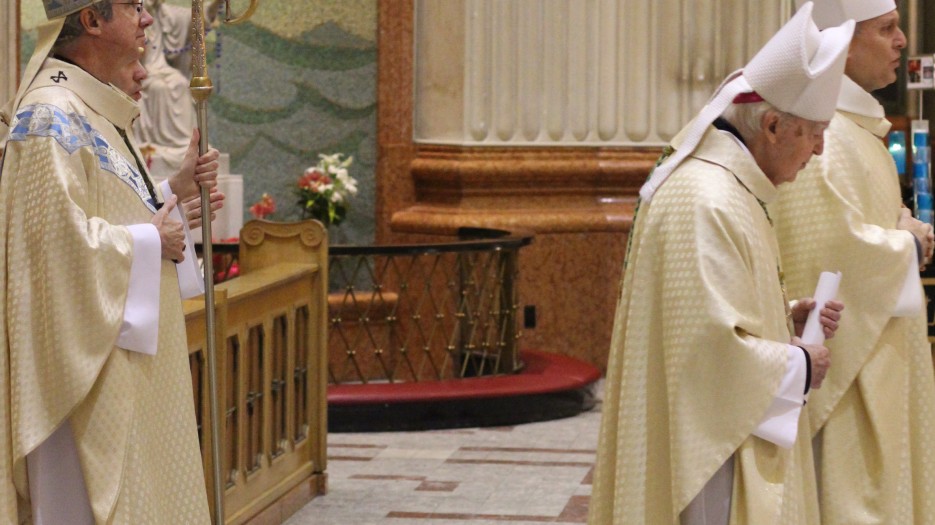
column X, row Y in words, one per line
column 826, row 290
column 780, row 423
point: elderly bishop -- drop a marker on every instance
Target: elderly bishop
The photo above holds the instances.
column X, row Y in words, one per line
column 706, row 379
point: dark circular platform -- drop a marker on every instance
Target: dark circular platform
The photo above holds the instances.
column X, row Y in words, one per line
column 550, row 386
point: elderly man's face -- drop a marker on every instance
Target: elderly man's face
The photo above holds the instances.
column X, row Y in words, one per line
column 874, row 53
column 791, row 143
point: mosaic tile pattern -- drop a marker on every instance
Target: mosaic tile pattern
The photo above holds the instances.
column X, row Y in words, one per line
column 297, row 80
column 280, row 102
column 528, row 474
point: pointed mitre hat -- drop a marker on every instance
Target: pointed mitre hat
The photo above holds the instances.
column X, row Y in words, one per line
column 829, row 13
column 55, row 11
column 798, row 71
column 60, row 8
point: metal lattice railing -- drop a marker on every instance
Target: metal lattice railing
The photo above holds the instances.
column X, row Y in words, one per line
column 404, row 313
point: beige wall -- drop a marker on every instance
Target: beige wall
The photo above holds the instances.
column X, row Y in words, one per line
column 576, row 73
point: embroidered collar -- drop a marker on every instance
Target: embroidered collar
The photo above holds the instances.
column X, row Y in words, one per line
column 106, row 100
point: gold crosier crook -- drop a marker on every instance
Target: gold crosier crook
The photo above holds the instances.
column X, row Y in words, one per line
column 201, row 89
column 242, row 18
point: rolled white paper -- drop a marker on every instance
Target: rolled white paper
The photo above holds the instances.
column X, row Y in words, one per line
column 826, row 290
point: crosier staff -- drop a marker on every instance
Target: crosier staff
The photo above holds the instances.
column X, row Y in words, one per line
column 201, row 89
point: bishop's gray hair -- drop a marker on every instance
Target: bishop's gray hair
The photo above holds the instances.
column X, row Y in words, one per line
column 72, row 28
column 748, row 118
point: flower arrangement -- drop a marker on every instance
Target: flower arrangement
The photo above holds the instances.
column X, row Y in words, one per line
column 324, row 189
column 263, row 207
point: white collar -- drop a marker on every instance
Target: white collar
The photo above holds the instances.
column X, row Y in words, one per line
column 854, row 99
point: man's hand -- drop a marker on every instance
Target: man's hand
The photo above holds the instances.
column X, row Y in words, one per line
column 921, row 230
column 195, row 171
column 170, row 233
column 829, row 317
column 192, row 207
column 820, row 358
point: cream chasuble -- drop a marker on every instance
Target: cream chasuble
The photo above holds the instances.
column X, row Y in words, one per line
column 69, row 188
column 698, row 351
column 876, row 409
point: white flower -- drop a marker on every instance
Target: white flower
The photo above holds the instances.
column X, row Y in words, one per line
column 328, row 160
column 340, row 188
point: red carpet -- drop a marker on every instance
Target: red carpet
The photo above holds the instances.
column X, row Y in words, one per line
column 548, row 387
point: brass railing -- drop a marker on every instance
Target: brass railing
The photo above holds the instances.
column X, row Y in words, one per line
column 424, row 312
column 271, row 364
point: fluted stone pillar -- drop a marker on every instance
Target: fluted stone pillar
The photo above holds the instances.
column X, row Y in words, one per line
column 576, row 72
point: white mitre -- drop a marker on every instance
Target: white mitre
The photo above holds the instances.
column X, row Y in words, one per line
column 828, row 13
column 55, row 11
column 798, row 71
column 60, row 8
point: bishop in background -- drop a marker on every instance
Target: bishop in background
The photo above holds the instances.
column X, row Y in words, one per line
column 873, row 420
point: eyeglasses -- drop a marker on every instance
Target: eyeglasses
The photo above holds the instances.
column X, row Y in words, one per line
column 139, row 5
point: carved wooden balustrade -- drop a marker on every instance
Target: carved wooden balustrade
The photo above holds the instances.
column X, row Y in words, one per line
column 271, row 338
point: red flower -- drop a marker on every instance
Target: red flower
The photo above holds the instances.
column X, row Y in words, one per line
column 263, row 207
column 313, row 179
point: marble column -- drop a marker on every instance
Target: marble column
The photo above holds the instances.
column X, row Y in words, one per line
column 546, row 116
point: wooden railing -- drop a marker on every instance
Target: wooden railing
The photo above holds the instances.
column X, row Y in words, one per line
column 271, row 338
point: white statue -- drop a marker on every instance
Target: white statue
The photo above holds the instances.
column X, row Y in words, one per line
column 167, row 111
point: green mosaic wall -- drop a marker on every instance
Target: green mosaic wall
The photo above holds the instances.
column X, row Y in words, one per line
column 296, row 80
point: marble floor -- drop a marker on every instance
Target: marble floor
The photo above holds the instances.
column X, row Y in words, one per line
column 527, row 474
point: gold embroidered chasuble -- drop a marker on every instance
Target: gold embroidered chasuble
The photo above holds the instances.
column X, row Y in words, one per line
column 69, row 186
column 698, row 351
column 876, row 409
